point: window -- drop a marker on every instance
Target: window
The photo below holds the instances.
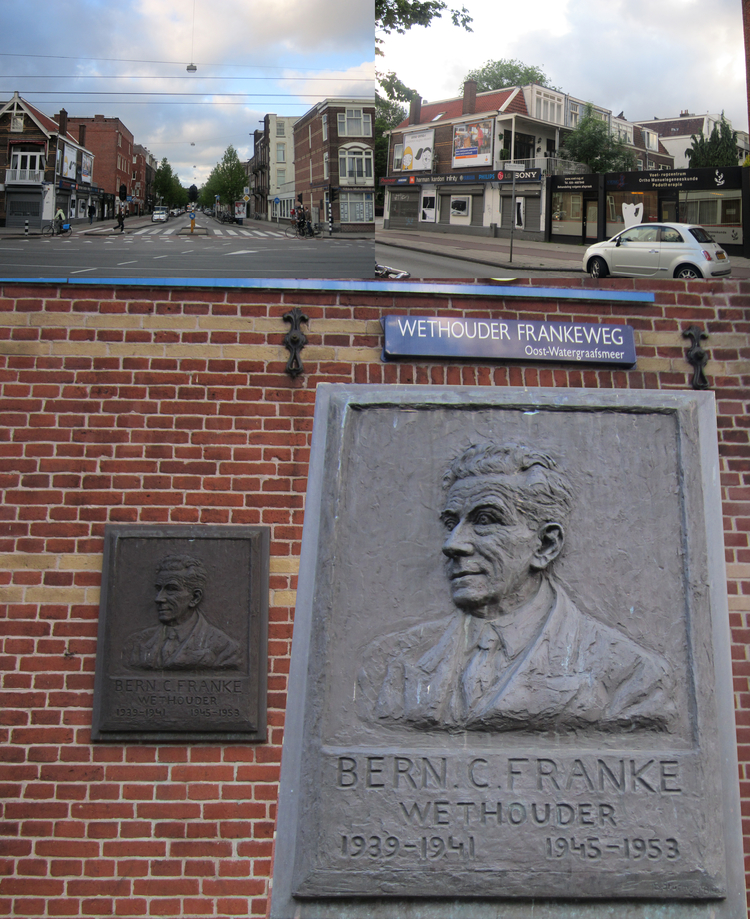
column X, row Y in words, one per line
column 16, row 124
column 357, row 207
column 398, row 155
column 325, row 166
column 574, row 114
column 354, row 123
column 280, row 129
column 280, row 153
column 309, row 135
column 355, row 166
column 280, row 176
column 324, row 124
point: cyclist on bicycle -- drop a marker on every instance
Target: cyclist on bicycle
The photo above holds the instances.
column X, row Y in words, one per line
column 59, row 219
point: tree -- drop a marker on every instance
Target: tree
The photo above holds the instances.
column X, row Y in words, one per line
column 591, row 143
column 227, row 180
column 718, row 150
column 387, row 115
column 401, row 15
column 506, row 72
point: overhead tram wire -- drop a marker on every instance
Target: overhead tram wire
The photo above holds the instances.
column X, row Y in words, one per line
column 82, row 76
column 124, row 60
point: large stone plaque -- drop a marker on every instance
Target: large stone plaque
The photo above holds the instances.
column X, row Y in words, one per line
column 183, row 624
column 511, row 688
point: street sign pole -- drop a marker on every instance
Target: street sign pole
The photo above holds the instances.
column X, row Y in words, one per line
column 514, row 168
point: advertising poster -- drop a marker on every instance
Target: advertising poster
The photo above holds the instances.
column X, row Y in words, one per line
column 472, row 144
column 69, row 162
column 87, row 167
column 417, row 155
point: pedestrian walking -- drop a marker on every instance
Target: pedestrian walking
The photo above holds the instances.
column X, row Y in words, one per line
column 120, row 221
column 92, row 213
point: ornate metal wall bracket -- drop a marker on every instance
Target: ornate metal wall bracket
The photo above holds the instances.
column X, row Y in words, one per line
column 697, row 356
column 295, row 340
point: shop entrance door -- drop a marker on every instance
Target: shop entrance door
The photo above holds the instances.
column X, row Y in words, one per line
column 668, row 210
column 590, row 218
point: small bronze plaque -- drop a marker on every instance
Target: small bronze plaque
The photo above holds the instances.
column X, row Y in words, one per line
column 183, row 625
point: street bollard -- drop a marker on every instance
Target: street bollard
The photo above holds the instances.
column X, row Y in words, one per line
column 26, row 227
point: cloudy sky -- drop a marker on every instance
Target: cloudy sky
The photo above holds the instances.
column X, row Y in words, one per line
column 648, row 58
column 128, row 59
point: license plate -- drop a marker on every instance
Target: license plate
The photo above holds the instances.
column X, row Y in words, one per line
column 721, row 255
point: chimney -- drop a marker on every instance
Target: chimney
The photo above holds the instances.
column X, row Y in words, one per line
column 470, row 97
column 415, row 109
column 82, row 134
column 62, row 120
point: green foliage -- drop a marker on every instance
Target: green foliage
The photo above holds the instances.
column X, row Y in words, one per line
column 717, row 151
column 592, row 144
column 506, row 72
column 167, row 186
column 400, row 15
column 227, row 180
column 387, row 115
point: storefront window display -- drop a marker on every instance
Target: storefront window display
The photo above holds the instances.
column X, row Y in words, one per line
column 717, row 210
column 624, row 208
column 567, row 213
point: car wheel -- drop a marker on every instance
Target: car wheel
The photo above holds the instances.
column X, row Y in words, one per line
column 687, row 273
column 598, row 268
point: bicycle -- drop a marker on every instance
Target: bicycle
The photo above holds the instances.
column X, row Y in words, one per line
column 49, row 229
column 296, row 231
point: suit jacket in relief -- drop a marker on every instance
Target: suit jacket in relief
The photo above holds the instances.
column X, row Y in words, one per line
column 577, row 673
column 204, row 648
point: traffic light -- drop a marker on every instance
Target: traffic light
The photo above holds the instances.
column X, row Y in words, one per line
column 299, row 197
column 193, row 193
column 333, row 194
column 123, row 193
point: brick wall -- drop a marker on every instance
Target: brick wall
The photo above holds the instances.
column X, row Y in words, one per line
column 156, row 406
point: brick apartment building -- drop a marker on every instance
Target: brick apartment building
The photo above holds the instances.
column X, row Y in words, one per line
column 112, row 144
column 333, row 152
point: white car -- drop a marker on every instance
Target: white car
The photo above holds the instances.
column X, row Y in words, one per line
column 160, row 213
column 658, row 250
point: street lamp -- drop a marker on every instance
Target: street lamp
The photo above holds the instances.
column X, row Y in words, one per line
column 514, row 168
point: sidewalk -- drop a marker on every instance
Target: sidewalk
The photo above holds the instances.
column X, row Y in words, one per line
column 527, row 254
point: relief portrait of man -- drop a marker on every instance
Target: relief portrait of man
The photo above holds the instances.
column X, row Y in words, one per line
column 515, row 653
column 183, row 639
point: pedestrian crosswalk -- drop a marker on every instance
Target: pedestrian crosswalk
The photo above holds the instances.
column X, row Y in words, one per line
column 208, row 231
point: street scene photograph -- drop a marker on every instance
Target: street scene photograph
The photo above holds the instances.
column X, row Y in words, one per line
column 580, row 122
column 187, row 140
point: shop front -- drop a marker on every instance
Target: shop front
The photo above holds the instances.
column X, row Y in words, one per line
column 589, row 208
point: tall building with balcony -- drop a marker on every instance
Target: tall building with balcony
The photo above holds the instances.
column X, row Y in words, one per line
column 333, row 163
column 43, row 166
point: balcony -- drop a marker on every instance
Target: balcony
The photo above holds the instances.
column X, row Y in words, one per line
column 552, row 165
column 24, row 176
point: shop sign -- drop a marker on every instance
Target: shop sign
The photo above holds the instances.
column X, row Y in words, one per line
column 576, row 183
column 474, row 178
column 508, row 339
column 678, row 179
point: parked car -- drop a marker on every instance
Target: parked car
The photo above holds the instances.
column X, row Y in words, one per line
column 663, row 250
column 160, row 213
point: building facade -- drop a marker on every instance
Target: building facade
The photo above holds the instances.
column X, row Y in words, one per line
column 44, row 166
column 447, row 161
column 676, row 134
column 333, row 164
column 272, row 169
column 112, row 144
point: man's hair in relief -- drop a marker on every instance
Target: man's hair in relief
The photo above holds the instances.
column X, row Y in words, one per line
column 542, row 496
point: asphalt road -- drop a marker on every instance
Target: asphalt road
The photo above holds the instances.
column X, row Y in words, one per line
column 439, row 265
column 161, row 251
